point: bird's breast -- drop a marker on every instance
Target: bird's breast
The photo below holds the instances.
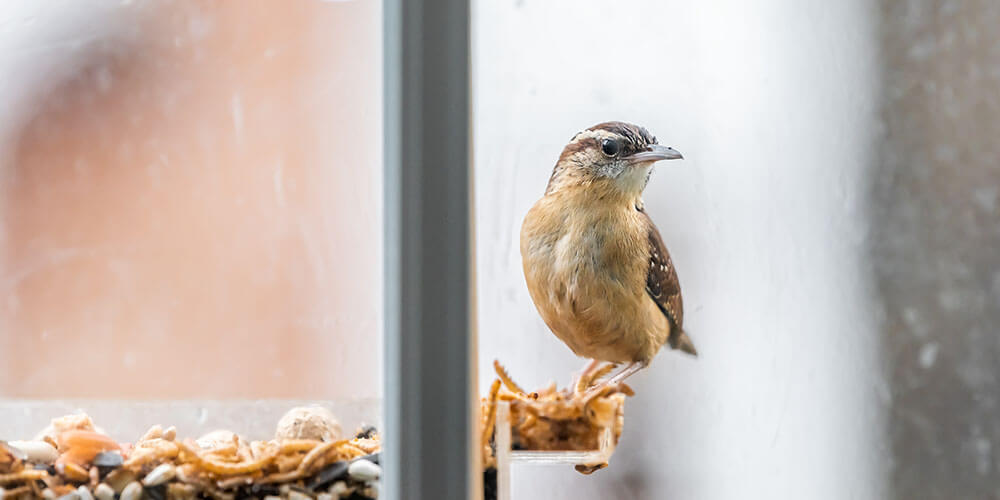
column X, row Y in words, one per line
column 586, row 272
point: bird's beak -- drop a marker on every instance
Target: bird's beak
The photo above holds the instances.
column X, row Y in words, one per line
column 655, row 152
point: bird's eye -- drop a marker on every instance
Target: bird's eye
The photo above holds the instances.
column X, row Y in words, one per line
column 610, row 147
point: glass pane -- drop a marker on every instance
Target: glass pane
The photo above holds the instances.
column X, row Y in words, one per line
column 190, row 214
column 832, row 224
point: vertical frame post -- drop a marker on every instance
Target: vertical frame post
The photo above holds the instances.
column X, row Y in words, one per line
column 430, row 402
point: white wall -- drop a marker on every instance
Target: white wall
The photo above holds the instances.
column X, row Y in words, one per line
column 774, row 107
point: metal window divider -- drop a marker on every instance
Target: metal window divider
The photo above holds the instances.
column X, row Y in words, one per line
column 430, row 400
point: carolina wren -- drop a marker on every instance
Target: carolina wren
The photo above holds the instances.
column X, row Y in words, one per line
column 596, row 266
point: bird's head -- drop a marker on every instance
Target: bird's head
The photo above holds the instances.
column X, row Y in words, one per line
column 611, row 157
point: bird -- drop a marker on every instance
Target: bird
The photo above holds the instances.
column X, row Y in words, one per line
column 595, row 265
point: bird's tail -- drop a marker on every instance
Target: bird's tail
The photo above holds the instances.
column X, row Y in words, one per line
column 683, row 343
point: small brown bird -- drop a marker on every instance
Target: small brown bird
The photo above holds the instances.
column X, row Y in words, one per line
column 596, row 266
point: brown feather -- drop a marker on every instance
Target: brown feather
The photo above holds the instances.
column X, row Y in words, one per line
column 664, row 287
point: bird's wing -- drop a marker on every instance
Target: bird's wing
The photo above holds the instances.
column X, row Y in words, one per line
column 661, row 279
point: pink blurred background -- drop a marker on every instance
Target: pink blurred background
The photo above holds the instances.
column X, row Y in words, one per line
column 190, row 201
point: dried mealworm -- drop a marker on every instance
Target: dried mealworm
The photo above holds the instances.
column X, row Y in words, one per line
column 282, row 477
column 257, row 449
column 547, row 391
column 491, row 412
column 234, row 482
column 354, row 450
column 228, row 451
column 366, row 445
column 245, row 453
column 223, row 469
column 218, row 495
column 25, row 475
column 307, row 462
column 508, row 396
column 188, row 473
column 154, row 432
column 95, row 477
column 16, row 492
column 586, row 382
column 507, row 381
column 37, row 490
column 155, row 450
column 294, row 445
column 317, row 452
column 73, row 472
column 286, row 463
column 51, row 441
column 529, row 421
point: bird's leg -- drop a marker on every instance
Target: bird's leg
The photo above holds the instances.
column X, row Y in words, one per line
column 629, row 370
column 590, row 368
column 619, row 377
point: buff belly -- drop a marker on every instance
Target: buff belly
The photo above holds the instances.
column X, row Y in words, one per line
column 593, row 302
column 596, row 329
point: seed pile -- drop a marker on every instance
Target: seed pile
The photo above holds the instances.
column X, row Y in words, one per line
column 74, row 460
column 570, row 419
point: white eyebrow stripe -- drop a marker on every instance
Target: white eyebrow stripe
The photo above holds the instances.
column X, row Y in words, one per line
column 592, row 134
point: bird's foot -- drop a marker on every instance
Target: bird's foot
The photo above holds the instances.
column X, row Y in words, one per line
column 590, row 373
column 614, row 383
